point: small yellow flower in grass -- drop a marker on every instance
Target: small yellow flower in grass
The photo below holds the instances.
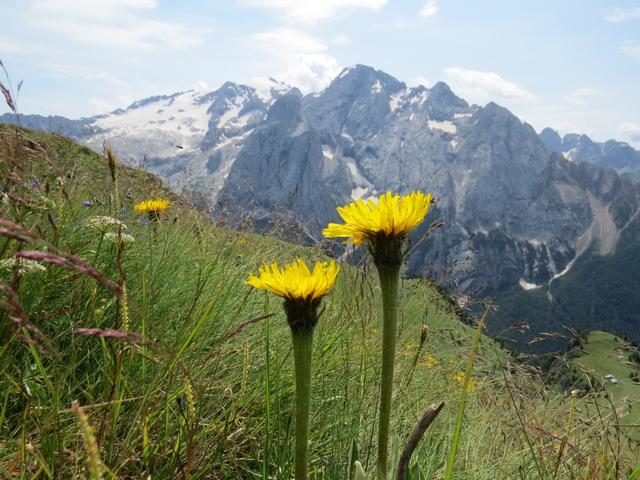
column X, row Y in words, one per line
column 431, row 361
column 391, row 216
column 153, row 206
column 459, row 379
column 295, row 281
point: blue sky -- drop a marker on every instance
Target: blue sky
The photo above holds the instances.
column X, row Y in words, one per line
column 570, row 64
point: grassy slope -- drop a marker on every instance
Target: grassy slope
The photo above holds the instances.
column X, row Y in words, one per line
column 607, row 354
column 186, row 293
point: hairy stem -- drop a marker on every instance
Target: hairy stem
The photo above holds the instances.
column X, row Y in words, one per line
column 302, row 350
column 389, row 279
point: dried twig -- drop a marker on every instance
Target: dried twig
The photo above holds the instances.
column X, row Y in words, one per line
column 415, row 437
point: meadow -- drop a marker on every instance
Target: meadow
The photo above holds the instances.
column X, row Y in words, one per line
column 180, row 370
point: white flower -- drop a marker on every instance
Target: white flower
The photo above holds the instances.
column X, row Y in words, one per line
column 113, row 236
column 103, row 222
column 24, row 265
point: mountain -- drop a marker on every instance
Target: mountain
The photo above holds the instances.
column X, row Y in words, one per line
column 525, row 222
column 580, row 148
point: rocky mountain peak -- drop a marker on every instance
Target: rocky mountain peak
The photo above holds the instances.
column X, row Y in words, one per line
column 552, row 139
column 361, row 79
column 285, row 110
column 442, row 103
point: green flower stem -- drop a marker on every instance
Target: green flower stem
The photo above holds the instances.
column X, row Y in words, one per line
column 302, row 351
column 389, row 280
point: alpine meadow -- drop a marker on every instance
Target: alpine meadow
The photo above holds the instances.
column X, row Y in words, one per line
column 312, row 271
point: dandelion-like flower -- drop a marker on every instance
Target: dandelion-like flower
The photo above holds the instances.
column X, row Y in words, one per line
column 100, row 222
column 24, row 265
column 302, row 290
column 384, row 225
column 295, row 281
column 153, row 207
column 391, row 216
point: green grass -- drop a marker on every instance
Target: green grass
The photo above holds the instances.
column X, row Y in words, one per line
column 606, row 354
column 187, row 395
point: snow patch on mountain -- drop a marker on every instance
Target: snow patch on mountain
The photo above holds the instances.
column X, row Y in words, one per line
column 526, row 285
column 268, row 89
column 445, row 126
column 176, row 114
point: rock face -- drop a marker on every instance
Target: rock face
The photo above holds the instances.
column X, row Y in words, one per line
column 579, row 148
column 520, row 210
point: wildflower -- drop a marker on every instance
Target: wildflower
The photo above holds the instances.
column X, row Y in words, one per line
column 459, row 379
column 153, row 207
column 86, row 203
column 24, row 265
column 103, row 223
column 115, row 237
column 384, row 225
column 302, row 290
column 295, row 282
column 391, row 216
column 431, row 361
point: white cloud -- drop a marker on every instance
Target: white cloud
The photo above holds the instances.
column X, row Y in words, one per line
column 580, row 96
column 630, row 131
column 99, row 106
column 419, row 80
column 202, row 86
column 17, row 47
column 111, row 23
column 341, row 39
column 430, row 8
column 631, row 49
column 92, row 9
column 312, row 73
column 287, row 41
column 617, row 15
column 482, row 86
column 107, row 78
column 297, row 58
column 313, row 11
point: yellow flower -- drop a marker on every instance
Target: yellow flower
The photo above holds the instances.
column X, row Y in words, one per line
column 459, row 379
column 158, row 205
column 295, row 281
column 392, row 215
column 431, row 361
